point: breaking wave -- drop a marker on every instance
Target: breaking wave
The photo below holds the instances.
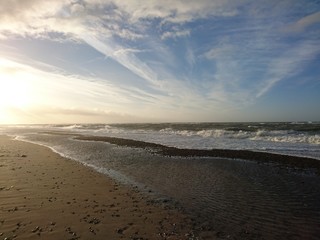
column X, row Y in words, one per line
column 260, row 135
column 286, row 138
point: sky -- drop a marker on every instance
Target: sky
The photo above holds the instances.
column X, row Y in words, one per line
column 109, row 61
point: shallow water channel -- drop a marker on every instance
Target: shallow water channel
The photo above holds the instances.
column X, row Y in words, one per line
column 236, row 198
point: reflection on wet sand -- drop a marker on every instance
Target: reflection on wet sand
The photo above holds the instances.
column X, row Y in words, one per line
column 243, row 199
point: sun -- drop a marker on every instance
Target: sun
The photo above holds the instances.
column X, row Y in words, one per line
column 13, row 92
column 15, row 89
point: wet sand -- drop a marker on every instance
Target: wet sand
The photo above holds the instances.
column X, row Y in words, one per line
column 45, row 196
column 301, row 163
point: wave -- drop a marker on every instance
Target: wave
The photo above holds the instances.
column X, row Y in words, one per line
column 303, row 141
column 259, row 135
column 257, row 132
column 74, row 126
column 315, row 139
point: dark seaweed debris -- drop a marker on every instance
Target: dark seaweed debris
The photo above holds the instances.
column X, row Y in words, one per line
column 291, row 161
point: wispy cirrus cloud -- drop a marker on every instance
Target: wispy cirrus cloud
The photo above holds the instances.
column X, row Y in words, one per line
column 305, row 22
column 253, row 59
column 175, row 34
column 290, row 63
column 74, row 90
column 185, row 54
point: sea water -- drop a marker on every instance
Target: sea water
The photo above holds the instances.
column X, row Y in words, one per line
column 291, row 138
column 236, row 198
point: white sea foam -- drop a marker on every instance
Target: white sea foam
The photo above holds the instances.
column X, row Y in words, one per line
column 260, row 135
column 204, row 180
column 290, row 138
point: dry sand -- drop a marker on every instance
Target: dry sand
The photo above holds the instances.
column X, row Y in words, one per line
column 45, row 196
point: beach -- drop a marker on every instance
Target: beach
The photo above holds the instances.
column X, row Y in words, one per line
column 108, row 182
column 159, row 120
column 46, row 196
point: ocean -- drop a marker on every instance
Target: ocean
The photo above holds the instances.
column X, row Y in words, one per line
column 291, row 138
column 236, row 198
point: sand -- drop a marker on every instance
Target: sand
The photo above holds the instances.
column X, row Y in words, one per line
column 46, row 196
column 301, row 163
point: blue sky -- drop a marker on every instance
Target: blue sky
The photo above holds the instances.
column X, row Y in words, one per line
column 159, row 61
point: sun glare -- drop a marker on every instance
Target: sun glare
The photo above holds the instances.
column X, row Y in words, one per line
column 15, row 88
column 14, row 92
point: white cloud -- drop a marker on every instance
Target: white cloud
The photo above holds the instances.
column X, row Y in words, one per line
column 126, row 58
column 238, row 83
column 124, row 51
column 126, row 30
column 27, row 17
column 175, row 34
column 77, row 9
column 305, row 22
column 37, row 16
column 56, row 115
column 98, row 22
column 177, row 11
column 288, row 64
column 58, row 88
column 221, row 51
column 190, row 56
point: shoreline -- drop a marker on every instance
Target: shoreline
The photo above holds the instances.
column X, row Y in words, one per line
column 207, row 198
column 46, row 195
column 261, row 157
